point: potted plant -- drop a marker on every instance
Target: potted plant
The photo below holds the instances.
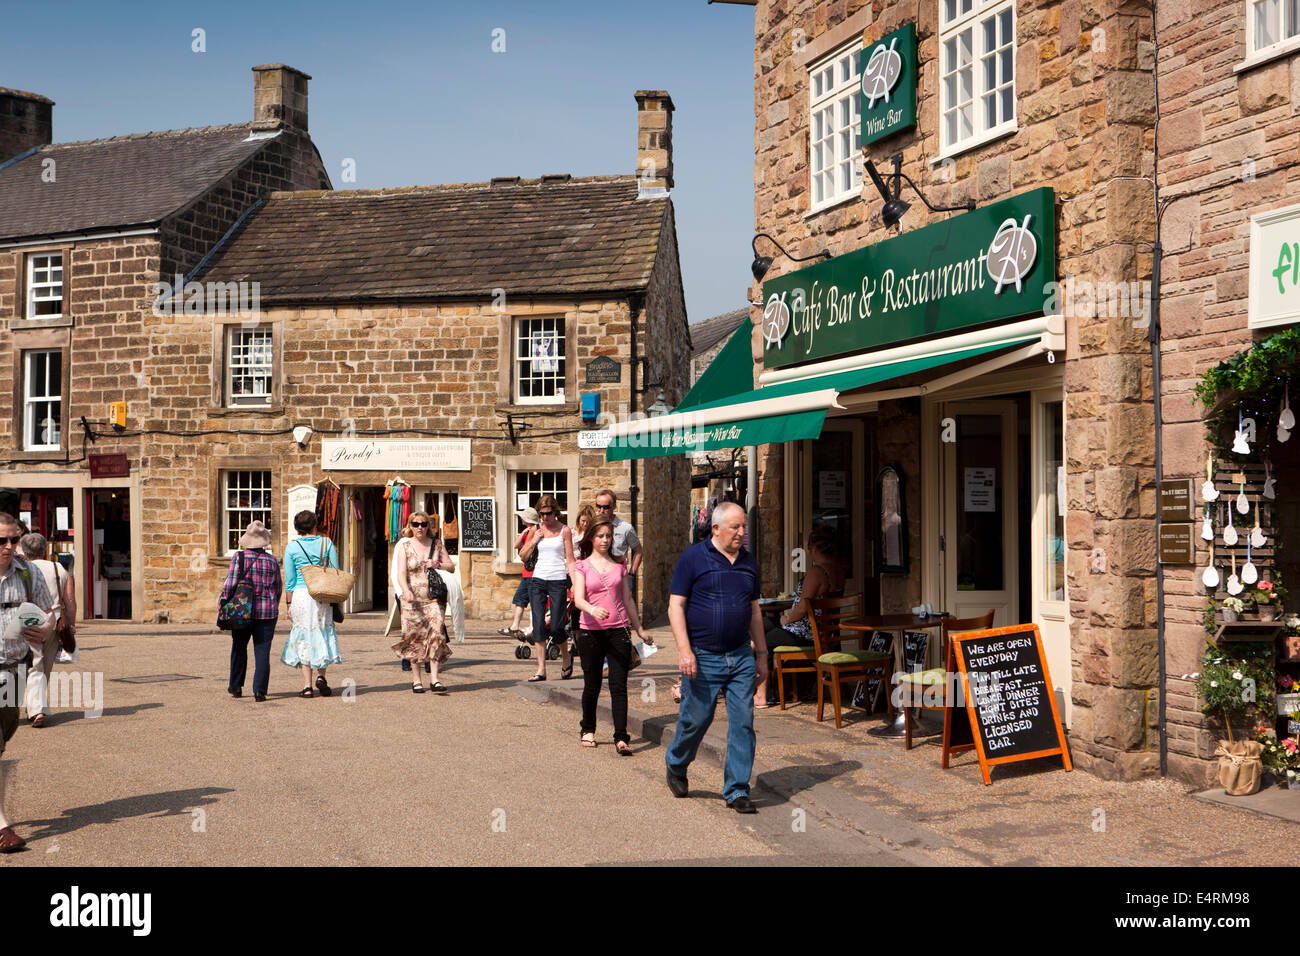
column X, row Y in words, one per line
column 1290, row 649
column 1280, row 758
column 1233, row 687
column 1232, row 608
column 1268, row 597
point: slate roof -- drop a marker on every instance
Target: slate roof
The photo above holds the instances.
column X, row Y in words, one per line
column 555, row 235
column 706, row 334
column 123, row 181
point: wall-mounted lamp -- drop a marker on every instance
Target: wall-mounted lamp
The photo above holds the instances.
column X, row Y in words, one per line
column 761, row 264
column 302, row 435
column 660, row 407
column 894, row 205
column 647, row 382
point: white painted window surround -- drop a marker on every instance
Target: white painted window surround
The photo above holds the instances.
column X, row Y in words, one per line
column 977, row 73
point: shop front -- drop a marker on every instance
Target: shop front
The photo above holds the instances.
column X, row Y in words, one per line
column 911, row 401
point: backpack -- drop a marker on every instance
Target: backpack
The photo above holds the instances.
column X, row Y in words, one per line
column 237, row 610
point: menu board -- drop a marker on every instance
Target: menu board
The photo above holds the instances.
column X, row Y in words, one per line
column 1009, row 697
column 478, row 522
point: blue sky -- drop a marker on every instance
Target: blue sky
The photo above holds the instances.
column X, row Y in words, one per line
column 414, row 93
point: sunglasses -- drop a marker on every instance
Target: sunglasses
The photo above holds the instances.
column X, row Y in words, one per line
column 545, row 514
column 419, row 524
column 604, row 507
column 12, row 541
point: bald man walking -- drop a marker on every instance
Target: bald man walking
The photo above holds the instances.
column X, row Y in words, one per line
column 713, row 610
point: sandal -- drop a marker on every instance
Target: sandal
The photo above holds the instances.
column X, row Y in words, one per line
column 506, row 631
column 536, row 678
column 10, row 842
column 306, row 692
column 417, row 688
column 438, row 686
column 38, row 720
column 624, row 748
column 323, row 687
column 566, row 672
column 588, row 740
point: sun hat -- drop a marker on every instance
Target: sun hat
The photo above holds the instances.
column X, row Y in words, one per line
column 256, row 536
column 529, row 515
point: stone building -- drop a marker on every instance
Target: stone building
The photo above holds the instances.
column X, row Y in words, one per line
column 1229, row 91
column 88, row 233
column 448, row 336
column 941, row 391
column 715, row 474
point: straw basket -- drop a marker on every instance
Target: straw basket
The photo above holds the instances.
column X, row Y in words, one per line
column 327, row 585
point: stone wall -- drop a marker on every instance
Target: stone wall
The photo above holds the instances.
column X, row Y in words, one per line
column 1085, row 109
column 1227, row 142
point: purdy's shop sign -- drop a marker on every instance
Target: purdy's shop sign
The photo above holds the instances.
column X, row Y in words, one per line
column 356, row 454
column 976, row 268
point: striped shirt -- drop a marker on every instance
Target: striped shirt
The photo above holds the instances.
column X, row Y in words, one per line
column 13, row 592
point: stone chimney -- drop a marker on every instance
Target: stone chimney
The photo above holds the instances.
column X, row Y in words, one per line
column 654, row 143
column 279, row 98
column 26, row 120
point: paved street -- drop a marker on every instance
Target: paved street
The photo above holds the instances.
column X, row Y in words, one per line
column 176, row 772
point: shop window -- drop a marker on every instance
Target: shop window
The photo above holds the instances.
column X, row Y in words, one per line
column 42, row 400
column 528, row 486
column 539, row 361
column 1053, row 483
column 835, row 127
column 246, row 495
column 1271, row 24
column 249, row 361
column 45, row 286
column 977, row 70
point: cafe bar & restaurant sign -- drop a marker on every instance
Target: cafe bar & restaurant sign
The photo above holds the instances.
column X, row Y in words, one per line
column 975, row 269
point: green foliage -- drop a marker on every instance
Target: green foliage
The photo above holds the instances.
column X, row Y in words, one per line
column 1237, row 681
column 1258, row 375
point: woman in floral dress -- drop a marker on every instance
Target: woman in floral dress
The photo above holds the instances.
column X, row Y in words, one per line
column 312, row 641
column 424, row 638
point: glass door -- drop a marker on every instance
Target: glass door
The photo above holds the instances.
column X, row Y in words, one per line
column 834, row 490
column 1049, row 504
column 979, row 538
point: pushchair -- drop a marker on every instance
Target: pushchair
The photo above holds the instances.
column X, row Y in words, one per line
column 524, row 650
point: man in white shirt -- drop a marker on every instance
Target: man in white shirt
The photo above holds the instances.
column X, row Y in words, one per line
column 19, row 583
column 625, row 540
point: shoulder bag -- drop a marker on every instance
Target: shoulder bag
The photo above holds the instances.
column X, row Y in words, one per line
column 66, row 630
column 325, row 584
column 237, row 610
column 437, row 586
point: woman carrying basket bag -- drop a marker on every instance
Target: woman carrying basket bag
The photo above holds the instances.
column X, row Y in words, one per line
column 312, row 643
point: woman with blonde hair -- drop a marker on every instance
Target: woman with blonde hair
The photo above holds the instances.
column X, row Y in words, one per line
column 424, row 640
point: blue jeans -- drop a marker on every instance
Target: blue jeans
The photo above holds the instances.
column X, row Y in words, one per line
column 557, row 592
column 736, row 674
column 262, row 633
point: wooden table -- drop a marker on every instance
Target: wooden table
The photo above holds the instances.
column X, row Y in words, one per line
column 897, row 624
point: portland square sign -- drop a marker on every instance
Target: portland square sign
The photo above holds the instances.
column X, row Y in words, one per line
column 975, row 269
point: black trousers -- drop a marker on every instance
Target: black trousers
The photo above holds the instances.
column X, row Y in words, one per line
column 595, row 648
column 262, row 633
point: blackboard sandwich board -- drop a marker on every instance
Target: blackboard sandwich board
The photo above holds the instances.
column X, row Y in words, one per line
column 478, row 522
column 1009, row 696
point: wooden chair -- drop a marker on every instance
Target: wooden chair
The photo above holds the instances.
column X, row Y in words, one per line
column 793, row 659
column 918, row 683
column 836, row 666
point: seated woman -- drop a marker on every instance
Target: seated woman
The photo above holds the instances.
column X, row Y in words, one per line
column 823, row 579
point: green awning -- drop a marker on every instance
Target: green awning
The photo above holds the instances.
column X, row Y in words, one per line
column 754, row 419
column 731, row 371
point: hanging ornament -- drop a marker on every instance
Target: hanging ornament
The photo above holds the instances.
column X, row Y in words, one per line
column 1270, row 483
column 1230, row 531
column 1208, row 491
column 1286, row 419
column 1239, row 444
column 1243, row 503
column 1283, row 434
column 1210, row 576
column 1207, row 527
column 1235, row 586
column 1257, row 533
column 1249, row 573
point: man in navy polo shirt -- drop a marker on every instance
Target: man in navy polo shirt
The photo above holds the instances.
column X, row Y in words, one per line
column 713, row 609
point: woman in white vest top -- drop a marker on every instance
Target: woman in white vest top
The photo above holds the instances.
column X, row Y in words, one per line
column 59, row 582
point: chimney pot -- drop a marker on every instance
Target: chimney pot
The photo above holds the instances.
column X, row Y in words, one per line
column 654, row 143
column 26, row 121
column 279, row 98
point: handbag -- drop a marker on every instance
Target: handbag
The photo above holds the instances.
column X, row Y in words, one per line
column 237, row 610
column 326, row 584
column 336, row 611
column 66, row 630
column 437, row 586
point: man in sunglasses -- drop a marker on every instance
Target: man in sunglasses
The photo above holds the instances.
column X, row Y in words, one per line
column 625, row 540
column 19, row 583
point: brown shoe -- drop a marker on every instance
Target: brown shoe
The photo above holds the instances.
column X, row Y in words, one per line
column 10, row 842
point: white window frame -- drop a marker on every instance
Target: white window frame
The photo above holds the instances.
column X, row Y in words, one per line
column 972, row 15
column 1288, row 15
column 40, row 290
column 525, row 327
column 253, row 481
column 249, row 370
column 544, row 487
column 835, row 111
column 47, row 398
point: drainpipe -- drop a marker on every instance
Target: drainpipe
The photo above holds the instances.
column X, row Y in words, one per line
column 751, row 495
column 1153, row 336
column 634, row 303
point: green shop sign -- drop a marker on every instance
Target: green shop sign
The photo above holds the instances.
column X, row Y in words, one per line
column 889, row 85
column 974, row 269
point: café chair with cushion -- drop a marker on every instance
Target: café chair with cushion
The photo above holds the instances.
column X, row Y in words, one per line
column 916, row 684
column 834, row 665
column 795, row 659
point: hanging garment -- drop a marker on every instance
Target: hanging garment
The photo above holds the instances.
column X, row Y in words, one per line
column 354, row 533
column 327, row 511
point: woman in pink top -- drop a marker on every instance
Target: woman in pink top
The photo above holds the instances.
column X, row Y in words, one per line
column 602, row 595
